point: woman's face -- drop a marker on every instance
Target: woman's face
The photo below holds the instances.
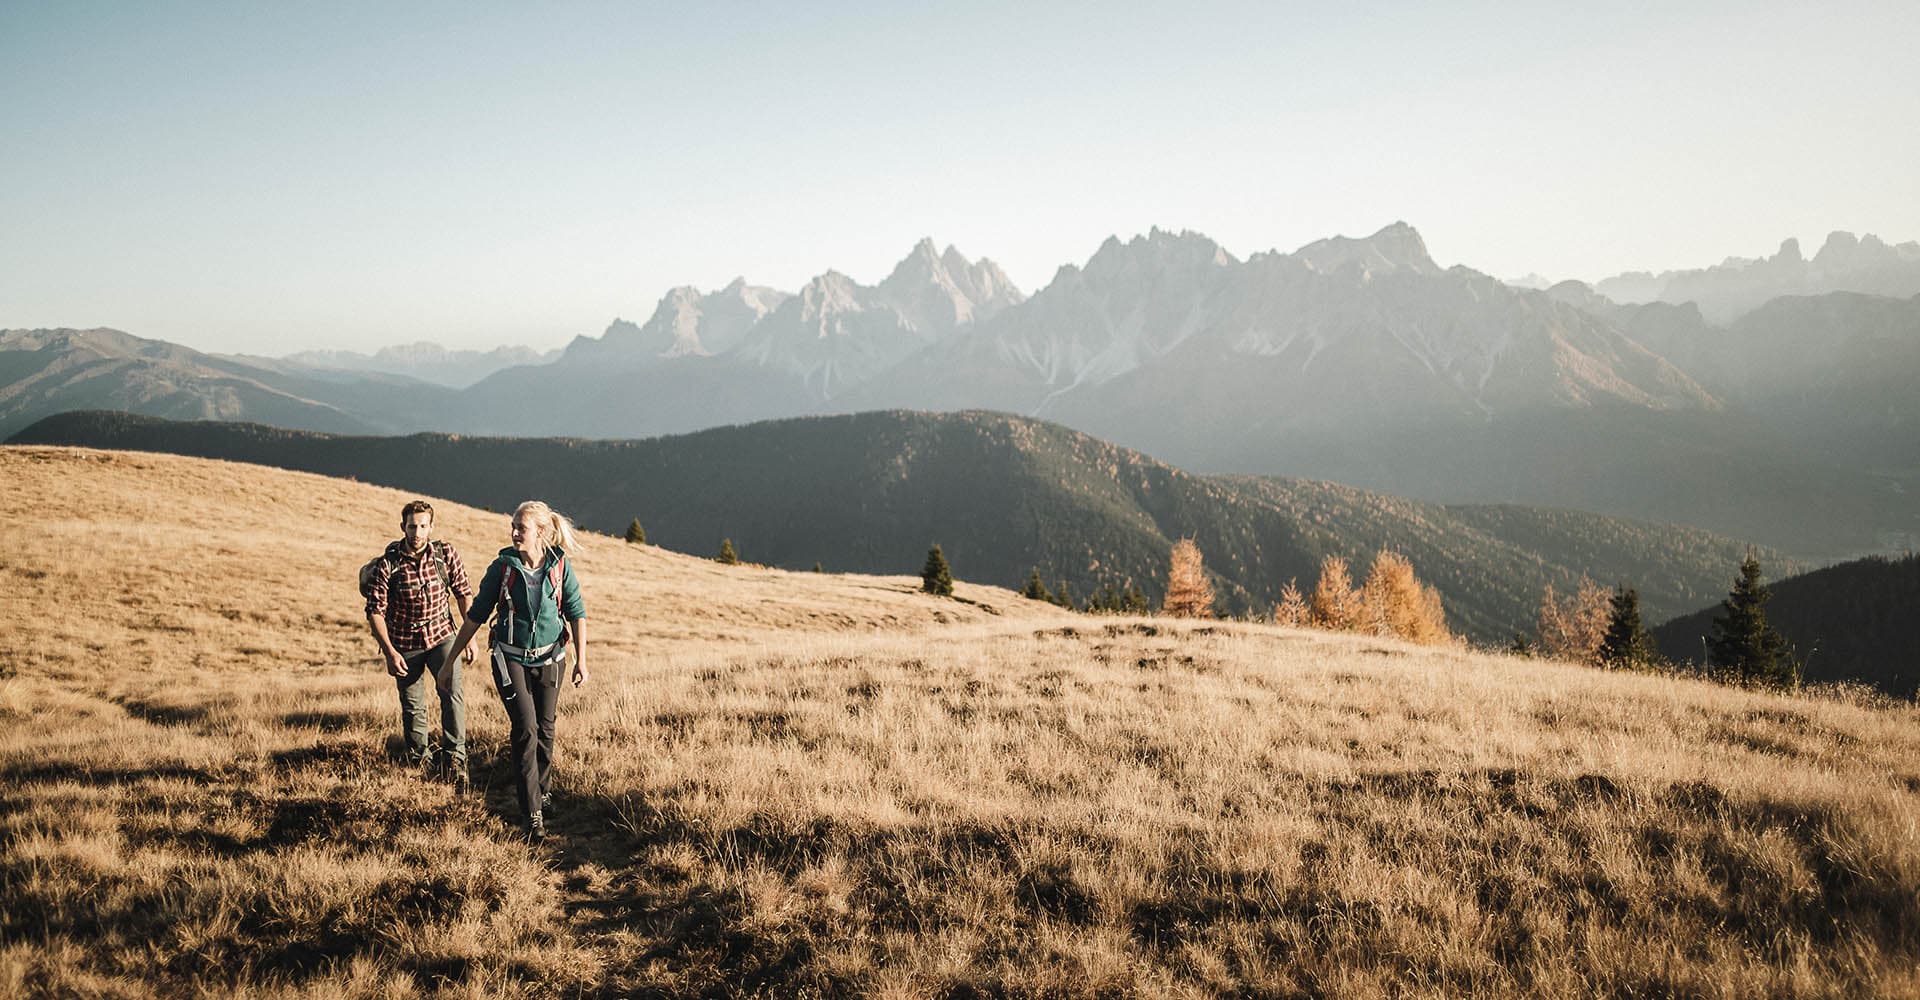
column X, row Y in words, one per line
column 526, row 534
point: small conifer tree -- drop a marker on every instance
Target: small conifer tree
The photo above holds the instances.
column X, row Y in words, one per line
column 1136, row 599
column 1394, row 602
column 1063, row 596
column 935, row 577
column 1189, row 592
column 1626, row 643
column 636, row 535
column 1335, row 604
column 727, row 556
column 1292, row 609
column 1744, row 644
column 817, row 568
column 1036, row 588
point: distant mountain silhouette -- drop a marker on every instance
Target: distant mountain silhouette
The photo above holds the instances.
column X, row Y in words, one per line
column 1726, row 292
column 1002, row 495
column 427, row 362
column 52, row 371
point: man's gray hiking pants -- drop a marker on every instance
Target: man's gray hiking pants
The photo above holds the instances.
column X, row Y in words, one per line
column 423, row 669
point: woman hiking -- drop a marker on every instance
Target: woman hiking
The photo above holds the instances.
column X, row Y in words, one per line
column 534, row 598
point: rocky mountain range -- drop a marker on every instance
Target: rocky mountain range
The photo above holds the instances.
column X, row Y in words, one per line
column 1729, row 290
column 1358, row 360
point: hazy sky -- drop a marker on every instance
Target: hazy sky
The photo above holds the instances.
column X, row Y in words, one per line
column 273, row 177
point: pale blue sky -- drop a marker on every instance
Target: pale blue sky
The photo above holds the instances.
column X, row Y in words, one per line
column 268, row 178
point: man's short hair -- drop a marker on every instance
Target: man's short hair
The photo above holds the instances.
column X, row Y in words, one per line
column 415, row 507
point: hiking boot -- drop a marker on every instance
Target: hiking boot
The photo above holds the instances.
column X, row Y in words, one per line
column 536, row 828
column 546, row 803
column 459, row 780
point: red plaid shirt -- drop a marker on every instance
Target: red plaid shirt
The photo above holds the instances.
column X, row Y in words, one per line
column 406, row 591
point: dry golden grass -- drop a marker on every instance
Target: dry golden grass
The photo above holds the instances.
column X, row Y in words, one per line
column 792, row 784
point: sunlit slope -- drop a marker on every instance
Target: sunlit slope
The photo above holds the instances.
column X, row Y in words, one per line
column 1004, row 495
column 789, row 783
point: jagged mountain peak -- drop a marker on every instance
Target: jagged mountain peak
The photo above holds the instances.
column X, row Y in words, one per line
column 1159, row 250
column 922, row 264
column 1843, row 249
column 830, row 279
column 1397, row 247
column 621, row 328
column 938, row 291
column 1839, row 242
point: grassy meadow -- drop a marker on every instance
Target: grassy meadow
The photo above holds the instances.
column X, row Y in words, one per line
column 795, row 784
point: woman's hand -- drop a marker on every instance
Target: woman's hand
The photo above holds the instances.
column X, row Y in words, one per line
column 579, row 631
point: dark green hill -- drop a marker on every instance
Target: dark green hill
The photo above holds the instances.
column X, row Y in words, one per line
column 1857, row 621
column 869, row 492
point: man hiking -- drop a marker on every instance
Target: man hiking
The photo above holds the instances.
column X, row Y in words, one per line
column 407, row 589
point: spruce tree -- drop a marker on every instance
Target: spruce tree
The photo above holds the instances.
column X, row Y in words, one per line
column 935, row 577
column 1136, row 600
column 1744, row 644
column 636, row 535
column 1626, row 643
column 727, row 556
column 1036, row 588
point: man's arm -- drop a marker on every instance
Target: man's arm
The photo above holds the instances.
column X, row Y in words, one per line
column 466, row 648
column 461, row 586
column 377, row 619
column 396, row 664
column 464, row 641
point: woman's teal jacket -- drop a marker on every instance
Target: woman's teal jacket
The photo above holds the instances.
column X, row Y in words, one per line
column 536, row 619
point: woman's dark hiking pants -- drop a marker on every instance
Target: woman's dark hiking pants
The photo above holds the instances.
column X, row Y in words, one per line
column 531, row 699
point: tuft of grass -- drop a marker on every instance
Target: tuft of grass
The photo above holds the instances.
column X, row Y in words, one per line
column 800, row 784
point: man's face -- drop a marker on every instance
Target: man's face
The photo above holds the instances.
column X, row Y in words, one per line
column 418, row 527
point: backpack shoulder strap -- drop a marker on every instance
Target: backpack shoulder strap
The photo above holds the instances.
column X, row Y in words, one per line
column 507, row 575
column 439, row 550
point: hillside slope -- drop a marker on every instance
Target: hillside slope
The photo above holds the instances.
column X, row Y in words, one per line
column 805, row 784
column 1003, row 495
column 1851, row 622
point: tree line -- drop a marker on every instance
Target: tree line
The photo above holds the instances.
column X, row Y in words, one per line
column 1589, row 626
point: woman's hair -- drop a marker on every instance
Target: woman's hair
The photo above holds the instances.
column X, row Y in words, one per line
column 556, row 530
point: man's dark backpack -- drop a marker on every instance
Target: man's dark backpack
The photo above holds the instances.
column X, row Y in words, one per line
column 439, row 551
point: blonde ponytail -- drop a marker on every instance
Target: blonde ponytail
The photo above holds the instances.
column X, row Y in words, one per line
column 556, row 529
